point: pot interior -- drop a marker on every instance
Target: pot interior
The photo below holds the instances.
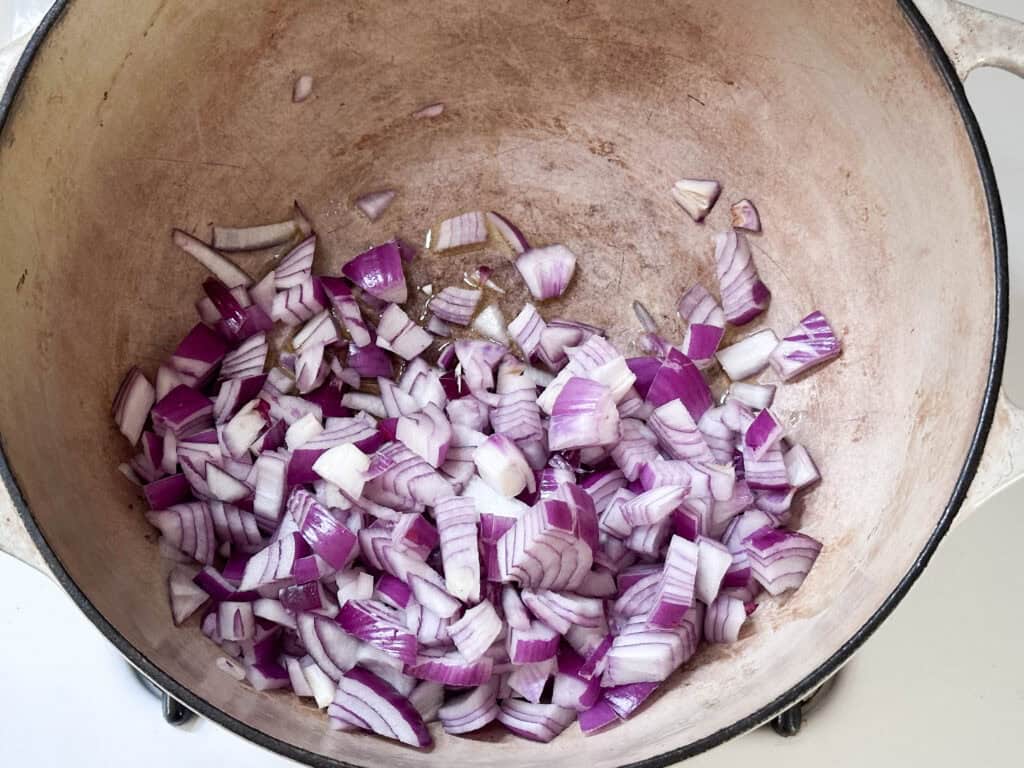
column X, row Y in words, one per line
column 574, row 119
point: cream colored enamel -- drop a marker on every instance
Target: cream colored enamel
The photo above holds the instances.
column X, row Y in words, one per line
column 573, row 119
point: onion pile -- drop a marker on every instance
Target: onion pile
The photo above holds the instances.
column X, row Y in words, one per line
column 404, row 527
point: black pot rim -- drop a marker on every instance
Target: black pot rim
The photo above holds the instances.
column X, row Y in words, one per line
column 795, row 694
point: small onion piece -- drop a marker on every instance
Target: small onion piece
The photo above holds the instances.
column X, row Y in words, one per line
column 584, row 414
column 431, row 110
column 723, row 619
column 503, row 467
column 457, row 520
column 547, row 271
column 757, row 396
column 220, row 267
column 472, row 710
column 696, row 196
column 763, row 434
column 744, row 296
column 526, row 329
column 537, row 722
column 464, row 230
column 302, row 89
column 373, row 204
column 380, row 707
column 810, row 344
column 748, row 356
column 397, row 333
column 132, row 405
column 744, row 216
column 779, row 559
column 508, row 232
column 455, row 305
column 476, row 630
column 697, row 306
column 253, row 238
column 800, row 468
column 379, row 272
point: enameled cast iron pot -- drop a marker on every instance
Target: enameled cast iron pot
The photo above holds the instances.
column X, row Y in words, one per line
column 845, row 121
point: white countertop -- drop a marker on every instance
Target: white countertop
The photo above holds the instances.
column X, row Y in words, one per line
column 940, row 684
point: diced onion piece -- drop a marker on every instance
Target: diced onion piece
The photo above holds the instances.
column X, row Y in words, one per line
column 373, row 204
column 723, row 620
column 476, row 630
column 344, row 466
column 780, row 559
column 701, row 342
column 748, row 356
column 370, row 700
column 460, row 231
column 457, row 525
column 584, row 414
column 547, row 271
column 297, row 266
column 222, row 268
column 677, row 433
column 508, row 232
column 253, row 238
column 379, row 272
column 744, row 296
column 757, row 396
column 134, row 399
column 455, row 305
column 697, row 306
column 302, row 89
column 764, row 433
column 472, row 710
column 491, row 324
column 800, row 469
column 397, row 333
column 810, row 344
column 503, row 467
column 696, row 196
column 537, row 722
column 744, row 216
column 431, row 110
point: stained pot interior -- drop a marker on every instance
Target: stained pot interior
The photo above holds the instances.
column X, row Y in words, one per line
column 574, row 119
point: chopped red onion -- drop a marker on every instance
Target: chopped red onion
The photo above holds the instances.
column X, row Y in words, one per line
column 253, row 238
column 220, row 267
column 397, row 333
column 464, row 230
column 763, row 434
column 810, row 344
column 677, row 433
column 560, row 610
column 547, row 271
column 530, row 680
column 744, row 216
column 537, row 722
column 696, row 196
column 767, row 473
column 132, row 404
column 780, row 559
column 653, row 506
column 380, row 626
column 544, row 550
column 679, row 378
column 744, row 296
column 373, row 204
column 296, row 267
column 675, row 594
column 368, row 699
column 299, row 303
column 508, row 232
column 455, row 305
column 723, row 619
column 450, row 668
column 625, row 700
column 503, row 467
column 800, row 469
column 757, row 396
column 698, row 307
column 490, row 323
column 583, row 414
column 701, row 342
column 748, row 356
column 302, row 89
column 472, row 710
column 476, row 630
column 378, row 271
column 185, row 596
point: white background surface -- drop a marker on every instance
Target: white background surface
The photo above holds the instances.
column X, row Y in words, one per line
column 940, row 684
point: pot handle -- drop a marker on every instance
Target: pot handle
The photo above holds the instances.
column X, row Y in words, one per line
column 974, row 38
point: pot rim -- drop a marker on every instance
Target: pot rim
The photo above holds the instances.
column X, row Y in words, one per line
column 937, row 54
